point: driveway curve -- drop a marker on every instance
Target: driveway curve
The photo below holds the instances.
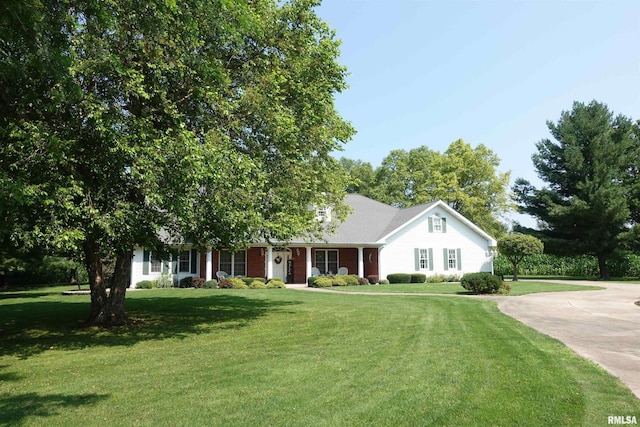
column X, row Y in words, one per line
column 603, row 326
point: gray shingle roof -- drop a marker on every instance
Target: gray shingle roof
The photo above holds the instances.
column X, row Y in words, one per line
column 371, row 220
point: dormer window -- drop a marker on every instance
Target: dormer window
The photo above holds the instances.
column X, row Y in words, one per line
column 437, row 224
column 323, row 215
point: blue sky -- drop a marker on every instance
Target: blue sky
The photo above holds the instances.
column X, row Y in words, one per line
column 487, row 71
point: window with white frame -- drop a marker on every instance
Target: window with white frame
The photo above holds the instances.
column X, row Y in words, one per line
column 453, row 260
column 155, row 264
column 327, row 261
column 424, row 259
column 234, row 263
column 437, row 224
column 184, row 262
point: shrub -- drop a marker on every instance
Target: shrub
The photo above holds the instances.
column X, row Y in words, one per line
column 257, row 284
column 164, row 281
column 373, row 278
column 211, row 284
column 339, row 281
column 249, row 280
column 276, row 284
column 436, row 278
column 418, row 278
column 383, row 282
column 322, row 282
column 452, row 278
column 186, row 282
column 363, row 281
column 146, row 284
column 225, row 284
column 481, row 283
column 311, row 281
column 399, row 278
column 350, row 280
column 238, row 284
column 197, row 282
column 505, row 289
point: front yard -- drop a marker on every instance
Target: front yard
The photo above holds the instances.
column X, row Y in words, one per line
column 285, row 357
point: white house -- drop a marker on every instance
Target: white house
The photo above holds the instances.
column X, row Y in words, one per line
column 375, row 240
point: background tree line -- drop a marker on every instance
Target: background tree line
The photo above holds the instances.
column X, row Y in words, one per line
column 466, row 178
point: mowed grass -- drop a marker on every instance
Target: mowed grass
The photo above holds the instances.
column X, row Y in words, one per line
column 287, row 357
column 517, row 288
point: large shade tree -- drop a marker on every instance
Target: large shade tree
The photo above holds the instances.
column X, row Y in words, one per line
column 465, row 177
column 590, row 201
column 124, row 121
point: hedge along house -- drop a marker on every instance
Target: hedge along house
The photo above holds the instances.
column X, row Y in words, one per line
column 375, row 239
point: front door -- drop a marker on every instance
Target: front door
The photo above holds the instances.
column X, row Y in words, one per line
column 280, row 265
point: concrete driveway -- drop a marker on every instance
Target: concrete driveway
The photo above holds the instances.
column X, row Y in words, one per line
column 603, row 326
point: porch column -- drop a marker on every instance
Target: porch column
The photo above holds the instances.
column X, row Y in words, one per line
column 269, row 262
column 209, row 267
column 308, row 268
column 360, row 262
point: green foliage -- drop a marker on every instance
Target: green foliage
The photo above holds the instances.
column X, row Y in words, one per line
column 146, row 284
column 249, row 280
column 436, row 278
column 363, row 281
column 383, row 282
column 399, row 278
column 276, row 284
column 591, row 172
column 186, row 282
column 418, row 278
column 339, row 281
column 515, row 247
column 620, row 265
column 464, row 177
column 481, row 283
column 164, row 281
column 119, row 119
column 232, row 283
column 257, row 284
column 238, row 284
column 211, row 284
column 322, row 282
column 349, row 279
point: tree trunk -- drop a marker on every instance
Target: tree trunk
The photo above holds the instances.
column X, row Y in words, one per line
column 108, row 310
column 515, row 271
column 604, row 272
column 93, row 262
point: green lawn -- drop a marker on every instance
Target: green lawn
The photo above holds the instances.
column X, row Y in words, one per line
column 517, row 288
column 286, row 357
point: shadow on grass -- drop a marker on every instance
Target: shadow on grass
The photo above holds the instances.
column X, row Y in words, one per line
column 8, row 295
column 14, row 409
column 29, row 328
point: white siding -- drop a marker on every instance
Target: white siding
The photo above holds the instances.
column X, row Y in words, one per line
column 137, row 268
column 398, row 254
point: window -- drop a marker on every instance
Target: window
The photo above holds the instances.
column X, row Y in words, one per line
column 453, row 264
column 156, row 265
column 424, row 259
column 184, row 262
column 234, row 264
column 437, row 224
column 323, row 215
column 327, row 261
